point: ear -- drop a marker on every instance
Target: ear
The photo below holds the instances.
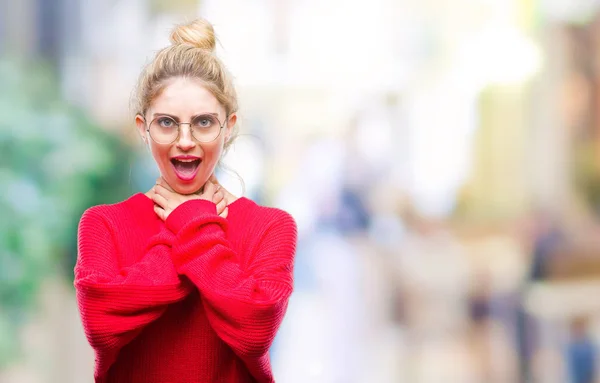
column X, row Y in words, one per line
column 140, row 123
column 230, row 124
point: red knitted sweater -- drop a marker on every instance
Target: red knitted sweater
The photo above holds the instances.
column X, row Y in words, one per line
column 197, row 298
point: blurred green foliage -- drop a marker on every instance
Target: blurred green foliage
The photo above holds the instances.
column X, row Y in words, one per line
column 54, row 163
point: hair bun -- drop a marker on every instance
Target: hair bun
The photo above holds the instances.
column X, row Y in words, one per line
column 199, row 33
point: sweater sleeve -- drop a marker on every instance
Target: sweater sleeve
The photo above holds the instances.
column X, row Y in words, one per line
column 245, row 299
column 115, row 303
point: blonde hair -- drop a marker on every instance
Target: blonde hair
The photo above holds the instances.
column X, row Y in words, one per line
column 191, row 55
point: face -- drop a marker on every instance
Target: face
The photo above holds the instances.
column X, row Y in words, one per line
column 186, row 164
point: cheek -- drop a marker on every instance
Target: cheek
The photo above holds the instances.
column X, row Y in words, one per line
column 159, row 154
column 212, row 155
column 213, row 152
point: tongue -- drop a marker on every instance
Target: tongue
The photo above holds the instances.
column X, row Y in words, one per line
column 185, row 168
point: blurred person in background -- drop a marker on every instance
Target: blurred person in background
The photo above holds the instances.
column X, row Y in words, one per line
column 581, row 353
column 546, row 236
column 186, row 282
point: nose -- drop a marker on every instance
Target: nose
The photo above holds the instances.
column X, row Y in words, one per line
column 185, row 141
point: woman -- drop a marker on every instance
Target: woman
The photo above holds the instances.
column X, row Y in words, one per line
column 185, row 283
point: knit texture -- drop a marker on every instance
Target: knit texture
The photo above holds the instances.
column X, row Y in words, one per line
column 197, row 298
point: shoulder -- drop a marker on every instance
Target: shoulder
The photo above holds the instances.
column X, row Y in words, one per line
column 264, row 215
column 262, row 228
column 255, row 223
column 113, row 213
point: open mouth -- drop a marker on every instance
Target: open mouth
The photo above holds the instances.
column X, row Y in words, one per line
column 186, row 168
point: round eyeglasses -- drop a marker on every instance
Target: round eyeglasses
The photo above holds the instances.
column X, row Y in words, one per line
column 166, row 130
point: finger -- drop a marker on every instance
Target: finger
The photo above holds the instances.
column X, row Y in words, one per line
column 225, row 212
column 163, row 191
column 209, row 190
column 221, row 206
column 218, row 186
column 218, row 197
column 160, row 212
column 159, row 200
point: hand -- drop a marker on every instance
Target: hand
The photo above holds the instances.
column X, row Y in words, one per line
column 220, row 198
column 166, row 200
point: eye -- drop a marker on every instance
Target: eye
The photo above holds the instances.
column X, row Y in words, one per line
column 166, row 122
column 205, row 121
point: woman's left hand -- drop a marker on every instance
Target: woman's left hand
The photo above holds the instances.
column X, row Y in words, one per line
column 166, row 200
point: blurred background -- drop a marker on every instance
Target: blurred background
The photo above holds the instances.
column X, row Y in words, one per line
column 441, row 159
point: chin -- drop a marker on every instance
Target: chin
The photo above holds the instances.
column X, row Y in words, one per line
column 184, row 187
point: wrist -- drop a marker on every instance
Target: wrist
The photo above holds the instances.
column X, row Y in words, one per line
column 182, row 214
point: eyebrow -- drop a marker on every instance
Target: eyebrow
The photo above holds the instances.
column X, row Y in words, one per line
column 177, row 118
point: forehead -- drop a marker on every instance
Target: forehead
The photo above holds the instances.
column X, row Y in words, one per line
column 185, row 97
